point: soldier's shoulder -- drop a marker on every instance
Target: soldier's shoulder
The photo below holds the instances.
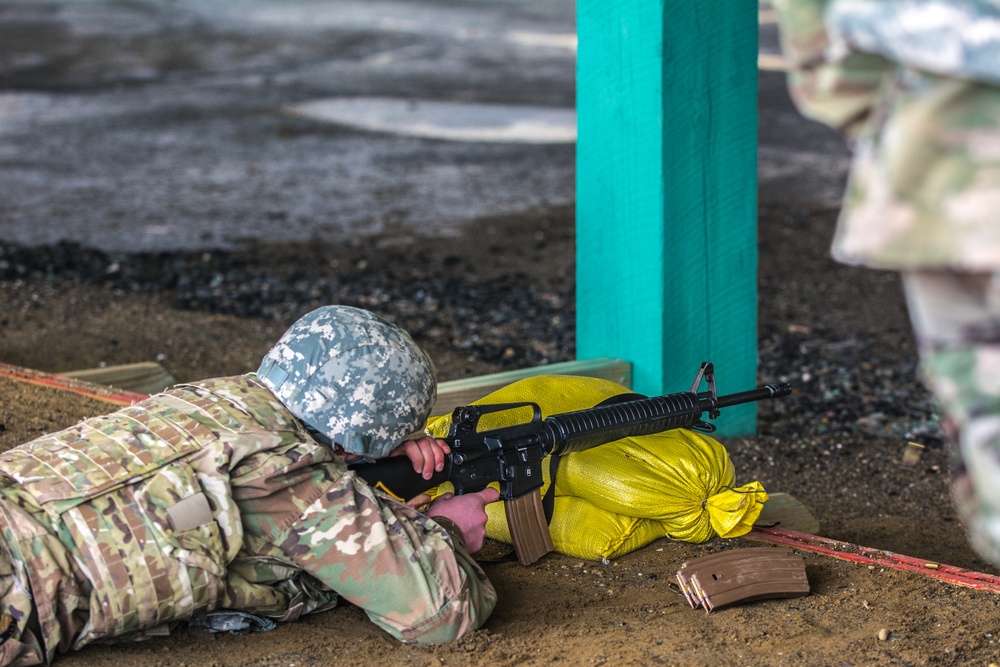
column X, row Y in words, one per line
column 959, row 38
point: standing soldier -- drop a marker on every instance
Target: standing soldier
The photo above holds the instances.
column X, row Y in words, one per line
column 916, row 85
column 233, row 494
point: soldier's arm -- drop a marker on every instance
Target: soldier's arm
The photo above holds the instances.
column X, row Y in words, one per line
column 412, row 575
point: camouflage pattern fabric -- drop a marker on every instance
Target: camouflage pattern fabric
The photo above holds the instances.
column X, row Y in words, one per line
column 925, row 180
column 211, row 496
column 21, row 637
column 838, row 93
column 952, row 38
column 957, row 321
column 353, row 377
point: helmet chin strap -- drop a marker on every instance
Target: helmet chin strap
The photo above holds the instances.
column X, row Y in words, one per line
column 323, row 439
column 348, row 456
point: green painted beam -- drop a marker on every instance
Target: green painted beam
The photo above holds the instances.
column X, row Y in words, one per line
column 666, row 192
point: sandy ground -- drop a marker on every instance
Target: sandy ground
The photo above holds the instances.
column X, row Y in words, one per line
column 818, row 320
column 488, row 295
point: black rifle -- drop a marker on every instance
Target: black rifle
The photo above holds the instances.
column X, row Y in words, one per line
column 513, row 455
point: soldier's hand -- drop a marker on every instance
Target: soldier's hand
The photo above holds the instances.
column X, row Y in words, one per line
column 426, row 454
column 468, row 512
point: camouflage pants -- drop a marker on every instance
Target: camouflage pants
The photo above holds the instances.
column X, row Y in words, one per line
column 956, row 317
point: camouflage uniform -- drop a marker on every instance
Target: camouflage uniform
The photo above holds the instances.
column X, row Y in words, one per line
column 916, row 84
column 215, row 495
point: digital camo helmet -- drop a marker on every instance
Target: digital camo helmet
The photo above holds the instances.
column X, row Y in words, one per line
column 353, row 377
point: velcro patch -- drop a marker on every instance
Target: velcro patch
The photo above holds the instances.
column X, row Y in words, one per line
column 189, row 513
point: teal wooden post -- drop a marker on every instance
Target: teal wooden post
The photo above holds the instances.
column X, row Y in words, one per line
column 666, row 192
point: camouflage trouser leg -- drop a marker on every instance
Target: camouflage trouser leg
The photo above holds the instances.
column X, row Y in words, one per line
column 20, row 636
column 956, row 317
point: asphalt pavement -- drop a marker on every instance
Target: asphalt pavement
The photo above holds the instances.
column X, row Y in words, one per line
column 138, row 126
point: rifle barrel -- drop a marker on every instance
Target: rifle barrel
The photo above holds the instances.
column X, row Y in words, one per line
column 767, row 391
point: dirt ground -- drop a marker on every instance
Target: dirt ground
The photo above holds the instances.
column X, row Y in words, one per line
column 839, row 334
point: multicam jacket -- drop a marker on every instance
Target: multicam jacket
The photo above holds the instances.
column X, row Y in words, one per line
column 917, row 84
column 212, row 496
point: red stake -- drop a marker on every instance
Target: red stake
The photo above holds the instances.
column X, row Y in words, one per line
column 96, row 391
column 858, row 554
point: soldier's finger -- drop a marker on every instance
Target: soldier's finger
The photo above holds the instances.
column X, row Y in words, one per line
column 489, row 495
column 419, row 501
column 429, row 457
column 441, row 450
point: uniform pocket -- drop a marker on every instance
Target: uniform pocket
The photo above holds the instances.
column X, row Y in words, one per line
column 152, row 550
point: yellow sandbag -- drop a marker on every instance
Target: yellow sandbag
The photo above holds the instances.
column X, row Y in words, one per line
column 582, row 530
column 681, row 478
column 615, row 498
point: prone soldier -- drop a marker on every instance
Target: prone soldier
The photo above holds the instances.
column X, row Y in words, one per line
column 232, row 495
